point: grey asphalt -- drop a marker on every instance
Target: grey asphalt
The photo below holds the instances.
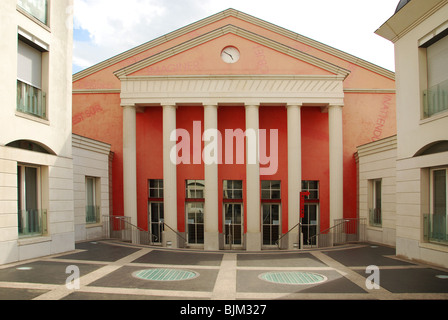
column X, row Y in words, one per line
column 106, row 272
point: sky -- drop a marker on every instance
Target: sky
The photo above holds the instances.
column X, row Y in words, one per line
column 105, row 28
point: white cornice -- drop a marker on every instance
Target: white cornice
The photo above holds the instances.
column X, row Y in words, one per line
column 410, row 16
column 213, row 90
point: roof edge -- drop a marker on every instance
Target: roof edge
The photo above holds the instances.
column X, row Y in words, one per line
column 232, row 29
column 245, row 17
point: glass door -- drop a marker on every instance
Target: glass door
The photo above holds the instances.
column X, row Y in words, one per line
column 310, row 224
column 271, row 223
column 156, row 219
column 233, row 225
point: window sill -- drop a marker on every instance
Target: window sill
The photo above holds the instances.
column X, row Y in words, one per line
column 435, row 117
column 93, row 225
column 434, row 246
column 35, row 240
column 32, row 18
column 376, row 228
column 32, row 118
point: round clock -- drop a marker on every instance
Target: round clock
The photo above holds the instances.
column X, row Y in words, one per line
column 230, row 55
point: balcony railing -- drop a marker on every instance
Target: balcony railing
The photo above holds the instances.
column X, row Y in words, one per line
column 31, row 100
column 375, row 219
column 435, row 228
column 435, row 99
column 93, row 214
column 32, row 223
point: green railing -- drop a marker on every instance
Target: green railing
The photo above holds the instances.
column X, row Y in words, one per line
column 93, row 214
column 435, row 99
column 31, row 100
column 375, row 219
column 32, row 223
column 435, row 228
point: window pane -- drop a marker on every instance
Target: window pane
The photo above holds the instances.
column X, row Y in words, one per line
column 37, row 8
column 437, row 55
column 238, row 194
column 31, row 188
column 275, row 185
column 275, row 194
column 265, row 185
column 378, row 194
column 238, row 184
column 90, row 185
column 439, row 198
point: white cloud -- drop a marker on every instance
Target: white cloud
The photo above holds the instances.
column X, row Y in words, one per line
column 115, row 26
column 112, row 22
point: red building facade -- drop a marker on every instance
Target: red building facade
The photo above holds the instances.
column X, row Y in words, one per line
column 313, row 103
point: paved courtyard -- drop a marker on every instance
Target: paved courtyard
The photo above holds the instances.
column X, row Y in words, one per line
column 107, row 271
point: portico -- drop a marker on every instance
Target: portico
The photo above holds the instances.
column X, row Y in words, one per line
column 212, row 93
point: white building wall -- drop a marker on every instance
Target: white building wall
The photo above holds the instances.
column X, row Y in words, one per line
column 90, row 159
column 377, row 160
column 413, row 26
column 54, row 132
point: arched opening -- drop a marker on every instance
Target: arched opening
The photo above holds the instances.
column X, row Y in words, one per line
column 435, row 147
column 31, row 146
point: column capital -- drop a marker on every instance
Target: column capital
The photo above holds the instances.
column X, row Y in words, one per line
column 169, row 105
column 335, row 106
column 126, row 105
column 248, row 106
column 210, row 105
column 294, row 105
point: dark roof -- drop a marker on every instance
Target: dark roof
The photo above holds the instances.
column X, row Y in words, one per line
column 401, row 5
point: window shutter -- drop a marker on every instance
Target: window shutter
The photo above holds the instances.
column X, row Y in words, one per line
column 29, row 65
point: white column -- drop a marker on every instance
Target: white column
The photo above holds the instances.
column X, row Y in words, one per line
column 294, row 172
column 130, row 163
column 253, row 236
column 336, row 163
column 169, row 177
column 211, row 232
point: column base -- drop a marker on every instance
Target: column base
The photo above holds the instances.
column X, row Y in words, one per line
column 293, row 241
column 211, row 241
column 170, row 239
column 253, row 241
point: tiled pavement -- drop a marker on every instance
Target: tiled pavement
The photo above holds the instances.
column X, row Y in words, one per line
column 106, row 273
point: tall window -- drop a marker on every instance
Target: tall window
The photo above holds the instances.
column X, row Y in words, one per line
column 36, row 8
column 271, row 211
column 155, row 210
column 92, row 202
column 32, row 220
column 30, row 97
column 233, row 212
column 310, row 221
column 436, row 224
column 375, row 215
column 436, row 96
column 195, row 210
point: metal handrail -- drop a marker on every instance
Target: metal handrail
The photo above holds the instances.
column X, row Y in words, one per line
column 327, row 230
column 176, row 232
column 278, row 241
column 122, row 218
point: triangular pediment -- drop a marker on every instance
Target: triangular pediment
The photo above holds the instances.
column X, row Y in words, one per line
column 259, row 55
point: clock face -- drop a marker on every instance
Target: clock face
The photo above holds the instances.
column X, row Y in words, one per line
column 230, row 55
